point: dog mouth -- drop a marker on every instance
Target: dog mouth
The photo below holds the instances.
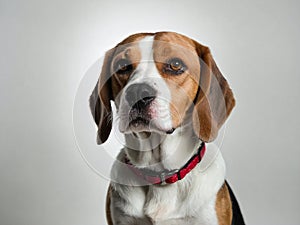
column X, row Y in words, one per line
column 143, row 121
column 139, row 121
column 141, row 124
column 149, row 114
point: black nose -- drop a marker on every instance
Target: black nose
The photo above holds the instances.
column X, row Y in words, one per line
column 140, row 95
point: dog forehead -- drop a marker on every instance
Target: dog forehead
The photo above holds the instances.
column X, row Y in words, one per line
column 164, row 39
column 167, row 37
column 160, row 40
column 146, row 70
column 147, row 50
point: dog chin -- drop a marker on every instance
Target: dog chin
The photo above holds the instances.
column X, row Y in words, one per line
column 143, row 126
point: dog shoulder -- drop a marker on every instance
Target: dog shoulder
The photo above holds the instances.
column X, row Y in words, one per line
column 223, row 206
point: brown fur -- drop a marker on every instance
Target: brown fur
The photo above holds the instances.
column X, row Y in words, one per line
column 133, row 55
column 223, row 206
column 213, row 100
column 106, row 91
column 183, row 87
column 108, row 212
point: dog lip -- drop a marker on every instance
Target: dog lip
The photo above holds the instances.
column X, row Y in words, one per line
column 140, row 116
column 141, row 124
column 170, row 131
column 139, row 121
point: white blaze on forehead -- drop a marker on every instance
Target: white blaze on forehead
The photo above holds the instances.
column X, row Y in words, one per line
column 146, row 48
column 146, row 70
column 147, row 73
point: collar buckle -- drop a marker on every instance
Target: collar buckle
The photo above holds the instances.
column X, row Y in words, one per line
column 167, row 174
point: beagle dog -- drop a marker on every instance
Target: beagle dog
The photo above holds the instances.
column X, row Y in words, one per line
column 171, row 100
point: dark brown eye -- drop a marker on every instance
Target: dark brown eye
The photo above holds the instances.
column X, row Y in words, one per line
column 175, row 66
column 123, row 66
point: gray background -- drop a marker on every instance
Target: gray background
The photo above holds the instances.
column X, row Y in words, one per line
column 46, row 48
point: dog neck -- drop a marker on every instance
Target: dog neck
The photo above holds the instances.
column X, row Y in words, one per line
column 158, row 151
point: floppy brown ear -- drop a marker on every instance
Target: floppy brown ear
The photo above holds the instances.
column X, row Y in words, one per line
column 215, row 99
column 100, row 101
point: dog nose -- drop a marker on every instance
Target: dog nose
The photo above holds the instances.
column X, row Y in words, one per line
column 140, row 95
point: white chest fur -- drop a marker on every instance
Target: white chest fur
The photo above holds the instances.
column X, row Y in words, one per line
column 191, row 199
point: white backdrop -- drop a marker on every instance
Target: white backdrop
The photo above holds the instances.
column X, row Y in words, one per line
column 46, row 48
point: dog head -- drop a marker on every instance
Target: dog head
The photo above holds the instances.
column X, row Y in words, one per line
column 158, row 82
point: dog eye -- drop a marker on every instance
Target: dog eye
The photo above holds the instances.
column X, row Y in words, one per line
column 123, row 66
column 175, row 66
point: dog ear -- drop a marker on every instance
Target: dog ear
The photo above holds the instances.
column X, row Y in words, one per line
column 100, row 100
column 214, row 101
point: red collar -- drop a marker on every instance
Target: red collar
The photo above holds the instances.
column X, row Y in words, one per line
column 168, row 176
